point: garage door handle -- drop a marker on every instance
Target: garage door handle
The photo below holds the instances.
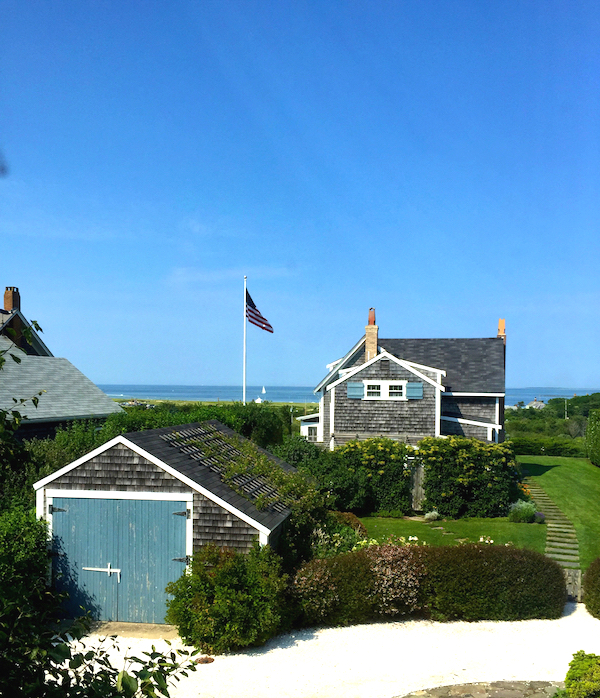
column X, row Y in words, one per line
column 109, row 569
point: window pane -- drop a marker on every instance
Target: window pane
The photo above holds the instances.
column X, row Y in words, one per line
column 373, row 390
column 396, row 391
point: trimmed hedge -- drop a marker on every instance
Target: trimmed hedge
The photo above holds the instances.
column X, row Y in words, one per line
column 548, row 446
column 591, row 588
column 489, row 582
column 592, row 437
column 470, row 582
column 467, row 477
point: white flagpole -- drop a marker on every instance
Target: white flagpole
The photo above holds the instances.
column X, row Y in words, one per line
column 244, row 371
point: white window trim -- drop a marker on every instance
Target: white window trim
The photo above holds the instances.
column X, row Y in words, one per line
column 385, row 389
column 332, row 411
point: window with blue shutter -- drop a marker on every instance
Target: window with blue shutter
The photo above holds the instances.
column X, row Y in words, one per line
column 414, row 391
column 355, row 390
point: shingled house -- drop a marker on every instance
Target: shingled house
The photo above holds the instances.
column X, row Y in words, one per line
column 67, row 393
column 407, row 389
column 125, row 518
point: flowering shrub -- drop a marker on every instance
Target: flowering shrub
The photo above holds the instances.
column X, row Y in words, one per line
column 336, row 590
column 372, row 475
column 467, row 477
column 398, row 575
column 591, row 588
column 432, row 515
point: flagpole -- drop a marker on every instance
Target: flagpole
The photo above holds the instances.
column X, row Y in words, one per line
column 244, row 370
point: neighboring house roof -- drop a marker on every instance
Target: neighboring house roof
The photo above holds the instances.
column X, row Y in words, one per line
column 471, row 365
column 37, row 347
column 68, row 394
column 188, row 451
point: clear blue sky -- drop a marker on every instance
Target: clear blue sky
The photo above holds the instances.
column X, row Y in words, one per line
column 438, row 160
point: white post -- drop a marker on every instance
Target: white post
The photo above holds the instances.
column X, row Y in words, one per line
column 244, row 370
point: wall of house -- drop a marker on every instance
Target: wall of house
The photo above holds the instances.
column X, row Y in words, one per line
column 120, row 468
column 408, row 420
column 482, row 409
column 458, row 429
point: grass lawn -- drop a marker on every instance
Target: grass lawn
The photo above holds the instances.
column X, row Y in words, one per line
column 573, row 484
column 500, row 530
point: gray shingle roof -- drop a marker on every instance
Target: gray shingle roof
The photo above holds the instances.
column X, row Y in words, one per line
column 471, row 365
column 68, row 393
column 188, row 449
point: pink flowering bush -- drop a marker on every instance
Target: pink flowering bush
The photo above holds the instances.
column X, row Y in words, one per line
column 398, row 572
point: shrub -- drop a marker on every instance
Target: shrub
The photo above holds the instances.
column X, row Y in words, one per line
column 522, row 512
column 335, row 591
column 339, row 533
column 591, row 588
column 432, row 515
column 583, row 676
column 489, row 582
column 534, row 445
column 399, row 571
column 592, row 437
column 467, row 477
column 228, row 600
column 349, row 519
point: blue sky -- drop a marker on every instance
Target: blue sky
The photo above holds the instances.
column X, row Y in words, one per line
column 436, row 160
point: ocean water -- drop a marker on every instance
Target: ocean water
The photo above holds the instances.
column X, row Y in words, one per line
column 211, row 393
column 278, row 393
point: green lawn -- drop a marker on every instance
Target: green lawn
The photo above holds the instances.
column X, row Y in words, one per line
column 573, row 484
column 501, row 531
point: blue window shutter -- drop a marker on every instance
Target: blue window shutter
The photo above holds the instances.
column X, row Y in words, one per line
column 414, row 391
column 355, row 390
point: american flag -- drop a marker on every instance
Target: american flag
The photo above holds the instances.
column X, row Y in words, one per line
column 254, row 316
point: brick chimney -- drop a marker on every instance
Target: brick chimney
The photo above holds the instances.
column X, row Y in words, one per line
column 12, row 299
column 502, row 329
column 371, row 337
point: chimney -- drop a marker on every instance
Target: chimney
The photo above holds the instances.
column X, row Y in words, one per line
column 12, row 299
column 371, row 336
column 502, row 329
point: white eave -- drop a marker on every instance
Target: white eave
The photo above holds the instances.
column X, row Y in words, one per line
column 338, row 365
column 409, row 366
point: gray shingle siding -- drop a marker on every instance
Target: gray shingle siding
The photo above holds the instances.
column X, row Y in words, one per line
column 394, row 418
column 458, row 429
column 119, row 468
column 213, row 524
column 475, row 408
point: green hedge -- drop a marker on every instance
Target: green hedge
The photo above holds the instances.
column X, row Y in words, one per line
column 591, row 588
column 592, row 437
column 228, row 600
column 467, row 477
column 489, row 582
column 548, row 446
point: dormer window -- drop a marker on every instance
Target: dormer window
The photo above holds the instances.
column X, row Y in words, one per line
column 385, row 390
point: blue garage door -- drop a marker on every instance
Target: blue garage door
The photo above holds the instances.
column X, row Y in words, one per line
column 115, row 557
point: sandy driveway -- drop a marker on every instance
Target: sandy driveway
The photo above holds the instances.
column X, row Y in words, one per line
column 391, row 659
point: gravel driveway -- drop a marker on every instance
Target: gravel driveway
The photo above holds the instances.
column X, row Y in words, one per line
column 382, row 660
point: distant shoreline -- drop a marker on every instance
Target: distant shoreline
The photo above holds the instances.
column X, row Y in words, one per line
column 288, row 394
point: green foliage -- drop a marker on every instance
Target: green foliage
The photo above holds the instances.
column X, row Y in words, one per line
column 592, row 438
column 339, row 533
column 583, row 676
column 300, row 453
column 228, row 600
column 580, row 405
column 522, row 512
column 591, row 588
column 539, row 445
column 489, row 582
column 335, row 591
column 467, row 477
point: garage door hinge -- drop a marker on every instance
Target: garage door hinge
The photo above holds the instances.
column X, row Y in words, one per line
column 186, row 559
column 52, row 509
column 187, row 513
